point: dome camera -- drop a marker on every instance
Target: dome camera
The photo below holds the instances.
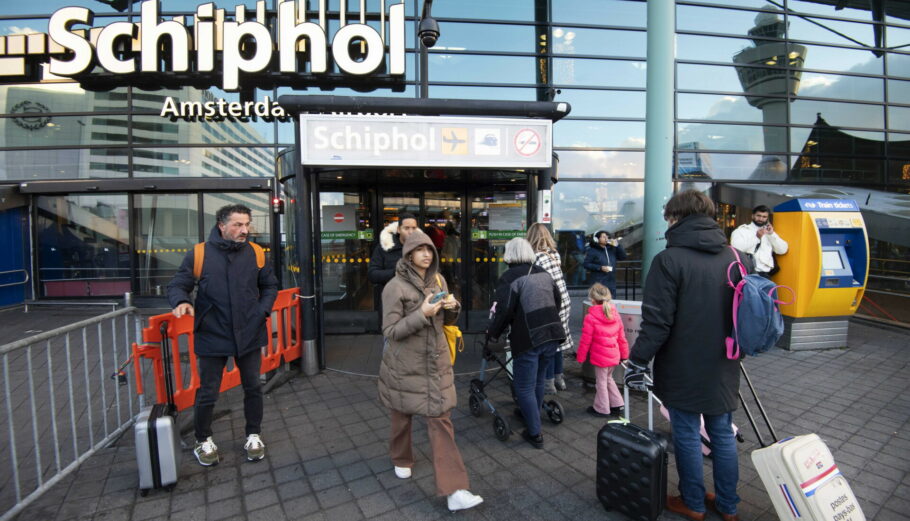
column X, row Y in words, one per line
column 428, row 32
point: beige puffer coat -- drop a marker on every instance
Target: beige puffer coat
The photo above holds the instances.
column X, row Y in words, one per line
column 415, row 376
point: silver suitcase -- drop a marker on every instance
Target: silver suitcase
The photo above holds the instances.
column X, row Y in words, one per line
column 157, row 439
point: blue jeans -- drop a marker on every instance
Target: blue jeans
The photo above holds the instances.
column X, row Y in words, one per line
column 530, row 370
column 555, row 366
column 689, row 459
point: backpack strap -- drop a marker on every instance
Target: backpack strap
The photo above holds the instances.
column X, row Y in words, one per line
column 732, row 343
column 199, row 257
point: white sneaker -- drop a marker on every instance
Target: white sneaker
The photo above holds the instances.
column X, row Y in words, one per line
column 462, row 499
column 403, row 472
column 206, row 452
column 255, row 449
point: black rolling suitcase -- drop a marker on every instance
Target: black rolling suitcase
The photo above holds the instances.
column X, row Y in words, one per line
column 157, row 439
column 631, row 469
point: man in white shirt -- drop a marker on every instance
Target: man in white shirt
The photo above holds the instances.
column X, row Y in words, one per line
column 759, row 240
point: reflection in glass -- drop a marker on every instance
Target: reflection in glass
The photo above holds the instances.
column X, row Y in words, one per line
column 899, row 91
column 835, row 59
column 825, row 139
column 35, row 126
column 500, row 38
column 204, row 162
column 442, row 223
column 582, row 208
column 520, row 10
column 832, row 31
column 612, row 12
column 856, row 11
column 168, row 227
column 708, row 48
column 601, row 164
column 83, row 245
column 899, row 118
column 752, row 138
column 717, row 78
column 855, row 115
column 898, row 64
column 495, row 219
column 720, row 107
column 607, row 73
column 347, row 235
column 603, row 103
column 841, row 87
column 613, row 134
column 694, row 165
column 482, row 69
column 26, row 165
column 593, row 42
column 715, row 20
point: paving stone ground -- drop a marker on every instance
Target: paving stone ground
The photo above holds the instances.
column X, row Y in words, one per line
column 327, row 450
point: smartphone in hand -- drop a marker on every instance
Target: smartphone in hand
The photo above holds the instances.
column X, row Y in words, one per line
column 437, row 297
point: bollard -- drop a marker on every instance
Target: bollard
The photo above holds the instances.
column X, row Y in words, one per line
column 310, row 361
column 127, row 299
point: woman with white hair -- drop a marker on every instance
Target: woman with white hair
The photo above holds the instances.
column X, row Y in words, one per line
column 547, row 257
column 528, row 300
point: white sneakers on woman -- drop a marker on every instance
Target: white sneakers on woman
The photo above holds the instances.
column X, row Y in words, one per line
column 403, row 472
column 462, row 500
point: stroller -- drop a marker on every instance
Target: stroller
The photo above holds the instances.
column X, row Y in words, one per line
column 478, row 399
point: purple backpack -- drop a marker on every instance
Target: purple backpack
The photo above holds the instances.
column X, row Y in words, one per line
column 757, row 322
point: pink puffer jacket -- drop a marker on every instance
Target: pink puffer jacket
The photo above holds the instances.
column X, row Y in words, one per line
column 603, row 337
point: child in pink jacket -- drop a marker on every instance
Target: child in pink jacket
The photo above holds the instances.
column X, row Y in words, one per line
column 603, row 336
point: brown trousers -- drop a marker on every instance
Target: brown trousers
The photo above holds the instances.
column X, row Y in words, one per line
column 447, row 463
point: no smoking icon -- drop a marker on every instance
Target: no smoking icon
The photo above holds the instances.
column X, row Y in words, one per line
column 527, row 142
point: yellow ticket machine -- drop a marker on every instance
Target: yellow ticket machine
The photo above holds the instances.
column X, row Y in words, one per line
column 827, row 266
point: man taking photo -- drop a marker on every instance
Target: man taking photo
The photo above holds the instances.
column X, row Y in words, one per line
column 759, row 240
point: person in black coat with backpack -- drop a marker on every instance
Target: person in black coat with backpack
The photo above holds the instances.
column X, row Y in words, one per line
column 686, row 316
column 600, row 260
column 234, row 297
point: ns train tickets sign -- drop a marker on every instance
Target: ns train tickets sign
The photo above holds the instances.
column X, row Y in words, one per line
column 285, row 46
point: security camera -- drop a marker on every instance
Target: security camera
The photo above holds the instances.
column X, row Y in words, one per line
column 428, row 31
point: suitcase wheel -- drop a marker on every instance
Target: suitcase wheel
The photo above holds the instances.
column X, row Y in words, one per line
column 143, row 492
column 554, row 411
column 475, row 404
column 501, row 427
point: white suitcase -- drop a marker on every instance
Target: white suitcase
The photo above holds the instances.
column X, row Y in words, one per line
column 804, row 482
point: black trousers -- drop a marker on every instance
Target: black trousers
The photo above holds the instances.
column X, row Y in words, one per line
column 211, row 368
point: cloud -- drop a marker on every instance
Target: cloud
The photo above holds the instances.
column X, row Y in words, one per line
column 21, row 30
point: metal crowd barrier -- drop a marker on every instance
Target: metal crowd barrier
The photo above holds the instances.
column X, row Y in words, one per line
column 62, row 403
column 284, row 345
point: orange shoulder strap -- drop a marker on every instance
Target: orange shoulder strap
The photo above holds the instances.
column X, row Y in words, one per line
column 198, row 258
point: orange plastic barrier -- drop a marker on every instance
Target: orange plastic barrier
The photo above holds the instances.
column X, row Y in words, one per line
column 284, row 345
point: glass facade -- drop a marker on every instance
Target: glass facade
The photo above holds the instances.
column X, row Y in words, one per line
column 802, row 92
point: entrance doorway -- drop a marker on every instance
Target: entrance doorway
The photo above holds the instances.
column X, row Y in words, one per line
column 469, row 215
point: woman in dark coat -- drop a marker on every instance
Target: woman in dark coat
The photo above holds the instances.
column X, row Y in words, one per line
column 686, row 315
column 600, row 260
column 528, row 299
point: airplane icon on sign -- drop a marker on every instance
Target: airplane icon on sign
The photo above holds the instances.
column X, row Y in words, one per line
column 453, row 140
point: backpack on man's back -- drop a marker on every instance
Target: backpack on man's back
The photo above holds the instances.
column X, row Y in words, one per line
column 757, row 321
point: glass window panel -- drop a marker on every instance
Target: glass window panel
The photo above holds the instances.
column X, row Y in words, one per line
column 748, row 138
column 836, row 170
column 582, row 208
column 898, row 65
column 738, row 3
column 717, row 20
column 826, row 140
column 520, row 10
column 899, row 173
column 727, row 108
column 720, row 166
column 709, row 48
column 899, row 145
column 57, row 97
column 838, row 10
column 601, row 164
column 607, row 42
column 167, row 228
column 156, row 130
column 848, row 88
column 808, row 112
column 40, row 129
column 487, row 93
column 604, row 103
column 614, row 134
column 836, row 59
column 501, row 38
column 607, row 73
column 898, row 118
column 204, row 162
column 486, row 69
column 899, row 91
column 707, row 77
column 43, row 164
column 83, row 245
column 608, row 12
column 345, row 253
column 830, row 31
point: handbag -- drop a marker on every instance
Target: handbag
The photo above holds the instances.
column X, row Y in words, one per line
column 453, row 334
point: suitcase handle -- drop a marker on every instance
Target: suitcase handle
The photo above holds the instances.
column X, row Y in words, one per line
column 761, row 409
column 166, row 362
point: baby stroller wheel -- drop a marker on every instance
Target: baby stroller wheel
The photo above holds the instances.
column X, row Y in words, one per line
column 476, row 386
column 501, row 427
column 554, row 411
column 475, row 405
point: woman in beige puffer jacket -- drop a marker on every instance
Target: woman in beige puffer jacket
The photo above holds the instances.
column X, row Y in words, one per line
column 416, row 375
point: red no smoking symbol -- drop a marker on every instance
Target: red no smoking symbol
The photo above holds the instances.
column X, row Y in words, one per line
column 527, row 142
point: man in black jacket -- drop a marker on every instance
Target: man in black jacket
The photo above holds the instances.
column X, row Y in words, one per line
column 233, row 300
column 388, row 251
column 686, row 315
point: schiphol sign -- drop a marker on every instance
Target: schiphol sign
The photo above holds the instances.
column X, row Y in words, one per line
column 220, row 47
column 425, row 141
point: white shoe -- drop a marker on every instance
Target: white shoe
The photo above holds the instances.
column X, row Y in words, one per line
column 462, row 500
column 255, row 449
column 403, row 472
column 206, row 452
